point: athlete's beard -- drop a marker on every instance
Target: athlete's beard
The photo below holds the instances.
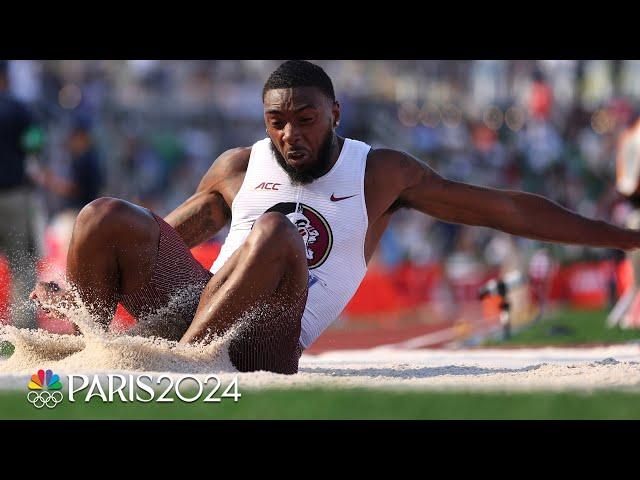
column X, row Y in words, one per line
column 304, row 177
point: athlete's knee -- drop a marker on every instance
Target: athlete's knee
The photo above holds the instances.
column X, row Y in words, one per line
column 101, row 216
column 274, row 224
column 276, row 230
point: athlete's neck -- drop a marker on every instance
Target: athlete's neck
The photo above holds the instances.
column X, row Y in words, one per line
column 336, row 149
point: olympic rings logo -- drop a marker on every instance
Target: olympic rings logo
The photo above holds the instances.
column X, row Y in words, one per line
column 42, row 399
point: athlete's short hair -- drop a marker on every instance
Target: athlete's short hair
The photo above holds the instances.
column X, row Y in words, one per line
column 299, row 73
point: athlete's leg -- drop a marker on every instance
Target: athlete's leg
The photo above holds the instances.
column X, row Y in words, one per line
column 112, row 251
column 266, row 277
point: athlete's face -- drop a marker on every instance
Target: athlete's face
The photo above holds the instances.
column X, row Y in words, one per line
column 300, row 123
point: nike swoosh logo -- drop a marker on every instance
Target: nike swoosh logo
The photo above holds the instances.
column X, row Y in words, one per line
column 337, row 199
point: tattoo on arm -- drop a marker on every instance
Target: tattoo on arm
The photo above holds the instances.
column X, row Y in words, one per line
column 206, row 211
column 196, row 223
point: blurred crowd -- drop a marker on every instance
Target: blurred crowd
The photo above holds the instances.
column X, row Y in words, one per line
column 147, row 130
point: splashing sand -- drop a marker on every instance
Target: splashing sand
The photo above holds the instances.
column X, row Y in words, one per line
column 96, row 349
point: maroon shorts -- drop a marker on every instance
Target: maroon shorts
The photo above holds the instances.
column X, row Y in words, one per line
column 166, row 305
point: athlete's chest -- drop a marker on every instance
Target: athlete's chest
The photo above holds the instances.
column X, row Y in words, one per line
column 263, row 190
column 330, row 219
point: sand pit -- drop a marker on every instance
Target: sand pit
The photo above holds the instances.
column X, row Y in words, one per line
column 100, row 352
column 478, row 369
column 610, row 367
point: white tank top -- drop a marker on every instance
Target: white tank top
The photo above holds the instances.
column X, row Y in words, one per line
column 330, row 214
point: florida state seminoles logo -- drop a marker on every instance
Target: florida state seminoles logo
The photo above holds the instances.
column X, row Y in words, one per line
column 314, row 229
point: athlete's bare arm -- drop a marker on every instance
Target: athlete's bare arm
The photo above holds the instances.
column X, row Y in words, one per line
column 515, row 212
column 208, row 209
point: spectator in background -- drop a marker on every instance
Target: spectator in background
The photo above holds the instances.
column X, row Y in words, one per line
column 540, row 97
column 19, row 135
column 143, row 171
column 84, row 177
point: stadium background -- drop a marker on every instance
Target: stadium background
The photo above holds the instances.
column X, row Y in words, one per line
column 548, row 127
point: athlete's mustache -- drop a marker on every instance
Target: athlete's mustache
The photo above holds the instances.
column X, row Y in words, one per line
column 305, row 177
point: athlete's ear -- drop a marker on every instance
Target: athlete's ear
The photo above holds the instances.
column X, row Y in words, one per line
column 335, row 112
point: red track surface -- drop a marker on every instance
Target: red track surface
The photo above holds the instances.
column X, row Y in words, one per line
column 370, row 337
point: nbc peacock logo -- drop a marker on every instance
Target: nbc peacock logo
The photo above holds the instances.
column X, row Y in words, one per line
column 44, row 389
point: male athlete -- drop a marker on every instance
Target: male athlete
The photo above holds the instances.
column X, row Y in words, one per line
column 307, row 209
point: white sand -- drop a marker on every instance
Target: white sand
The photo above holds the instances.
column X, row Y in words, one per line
column 616, row 367
column 505, row 369
column 97, row 352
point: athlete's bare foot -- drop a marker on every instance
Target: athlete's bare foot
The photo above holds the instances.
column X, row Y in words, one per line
column 49, row 296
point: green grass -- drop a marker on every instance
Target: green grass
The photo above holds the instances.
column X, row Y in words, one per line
column 350, row 404
column 566, row 327
column 6, row 349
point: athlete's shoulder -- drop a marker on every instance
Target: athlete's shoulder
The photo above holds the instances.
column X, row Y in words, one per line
column 229, row 165
column 388, row 157
column 234, row 160
column 394, row 165
column 399, row 172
